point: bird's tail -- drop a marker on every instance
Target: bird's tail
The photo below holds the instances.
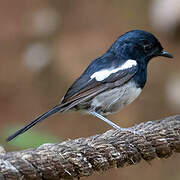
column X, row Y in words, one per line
column 37, row 120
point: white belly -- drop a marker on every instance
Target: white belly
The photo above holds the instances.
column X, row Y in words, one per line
column 115, row 99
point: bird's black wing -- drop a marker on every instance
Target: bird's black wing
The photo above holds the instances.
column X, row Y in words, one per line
column 85, row 85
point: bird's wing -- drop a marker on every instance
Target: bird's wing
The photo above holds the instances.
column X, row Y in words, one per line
column 91, row 83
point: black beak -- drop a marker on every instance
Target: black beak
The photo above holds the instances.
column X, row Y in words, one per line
column 165, row 54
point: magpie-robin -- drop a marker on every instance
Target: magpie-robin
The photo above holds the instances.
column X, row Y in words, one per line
column 111, row 81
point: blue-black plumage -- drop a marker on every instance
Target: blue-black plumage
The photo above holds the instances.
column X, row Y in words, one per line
column 111, row 81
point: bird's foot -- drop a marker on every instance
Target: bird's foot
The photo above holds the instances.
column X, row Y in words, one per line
column 126, row 130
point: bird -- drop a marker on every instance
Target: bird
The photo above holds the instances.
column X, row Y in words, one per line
column 111, row 81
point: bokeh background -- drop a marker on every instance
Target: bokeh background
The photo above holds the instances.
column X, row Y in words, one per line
column 46, row 44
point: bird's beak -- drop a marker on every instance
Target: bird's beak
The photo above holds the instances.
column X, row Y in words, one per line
column 165, row 54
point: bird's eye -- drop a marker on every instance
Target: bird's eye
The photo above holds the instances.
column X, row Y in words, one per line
column 147, row 47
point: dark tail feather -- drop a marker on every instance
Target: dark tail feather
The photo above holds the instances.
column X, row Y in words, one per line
column 37, row 120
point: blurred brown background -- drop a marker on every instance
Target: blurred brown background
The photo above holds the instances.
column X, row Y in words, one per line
column 46, row 44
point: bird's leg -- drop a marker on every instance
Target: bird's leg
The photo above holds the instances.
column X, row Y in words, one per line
column 105, row 119
column 115, row 126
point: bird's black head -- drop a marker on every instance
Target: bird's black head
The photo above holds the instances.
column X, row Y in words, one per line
column 138, row 45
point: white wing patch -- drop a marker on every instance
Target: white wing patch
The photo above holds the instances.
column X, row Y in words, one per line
column 128, row 64
column 103, row 74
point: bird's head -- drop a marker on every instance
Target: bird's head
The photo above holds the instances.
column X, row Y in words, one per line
column 138, row 45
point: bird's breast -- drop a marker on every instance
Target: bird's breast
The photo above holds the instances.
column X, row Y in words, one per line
column 115, row 99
